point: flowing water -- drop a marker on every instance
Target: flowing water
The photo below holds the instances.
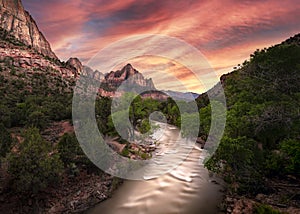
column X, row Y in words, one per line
column 187, row 189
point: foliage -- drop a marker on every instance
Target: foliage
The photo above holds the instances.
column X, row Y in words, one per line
column 265, row 209
column 5, row 141
column 119, row 125
column 71, row 153
column 35, row 165
column 32, row 99
column 37, row 119
column 261, row 137
column 102, row 110
column 69, row 148
column 290, row 149
column 190, row 124
column 145, row 126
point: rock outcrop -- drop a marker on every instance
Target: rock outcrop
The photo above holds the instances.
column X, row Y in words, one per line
column 76, row 65
column 29, row 60
column 19, row 23
column 134, row 78
column 155, row 95
column 24, row 47
column 97, row 75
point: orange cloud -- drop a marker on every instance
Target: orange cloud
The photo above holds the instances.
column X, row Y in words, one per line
column 225, row 32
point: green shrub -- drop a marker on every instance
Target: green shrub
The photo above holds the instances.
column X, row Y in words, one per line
column 144, row 156
column 291, row 155
column 264, row 209
column 125, row 152
column 37, row 119
column 5, row 141
column 35, row 166
column 71, row 153
column 145, row 126
column 69, row 148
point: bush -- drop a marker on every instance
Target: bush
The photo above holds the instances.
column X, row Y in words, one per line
column 145, row 126
column 125, row 152
column 5, row 141
column 72, row 154
column 264, row 209
column 69, row 148
column 290, row 149
column 37, row 119
column 35, row 166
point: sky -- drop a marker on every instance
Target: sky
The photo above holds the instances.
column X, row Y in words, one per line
column 225, row 32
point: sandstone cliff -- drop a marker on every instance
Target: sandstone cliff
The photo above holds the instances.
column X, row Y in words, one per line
column 18, row 23
column 114, row 79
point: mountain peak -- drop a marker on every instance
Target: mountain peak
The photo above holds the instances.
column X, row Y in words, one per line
column 19, row 23
column 128, row 66
column 134, row 78
column 75, row 63
column 130, row 71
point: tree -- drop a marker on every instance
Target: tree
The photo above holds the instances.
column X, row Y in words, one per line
column 37, row 119
column 5, row 141
column 119, row 124
column 69, row 148
column 290, row 149
column 35, row 165
column 190, row 124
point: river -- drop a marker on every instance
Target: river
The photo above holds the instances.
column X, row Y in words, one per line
column 188, row 189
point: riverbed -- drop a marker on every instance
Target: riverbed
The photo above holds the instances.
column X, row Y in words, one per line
column 187, row 189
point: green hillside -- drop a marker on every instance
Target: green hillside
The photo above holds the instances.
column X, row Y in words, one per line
column 262, row 139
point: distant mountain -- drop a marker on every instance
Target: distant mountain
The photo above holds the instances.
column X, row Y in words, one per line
column 95, row 74
column 136, row 82
column 128, row 78
column 187, row 96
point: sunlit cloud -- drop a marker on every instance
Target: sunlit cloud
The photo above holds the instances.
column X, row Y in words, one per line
column 225, row 32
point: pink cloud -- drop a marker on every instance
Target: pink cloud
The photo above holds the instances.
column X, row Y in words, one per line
column 225, row 32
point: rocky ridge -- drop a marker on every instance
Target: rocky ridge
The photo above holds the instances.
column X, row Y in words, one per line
column 29, row 61
column 19, row 23
column 28, row 50
column 134, row 78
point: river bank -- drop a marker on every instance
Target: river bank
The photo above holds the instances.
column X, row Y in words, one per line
column 187, row 189
column 283, row 196
column 79, row 187
column 71, row 195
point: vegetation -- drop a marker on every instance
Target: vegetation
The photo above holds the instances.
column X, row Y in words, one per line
column 35, row 165
column 5, row 141
column 261, row 137
column 265, row 209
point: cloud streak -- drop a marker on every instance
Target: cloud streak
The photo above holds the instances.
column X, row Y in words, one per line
column 226, row 33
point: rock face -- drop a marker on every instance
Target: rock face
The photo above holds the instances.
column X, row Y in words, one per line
column 114, row 79
column 24, row 47
column 97, row 75
column 156, row 95
column 29, row 61
column 18, row 22
column 74, row 63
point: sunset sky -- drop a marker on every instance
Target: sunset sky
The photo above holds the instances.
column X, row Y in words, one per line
column 225, row 32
